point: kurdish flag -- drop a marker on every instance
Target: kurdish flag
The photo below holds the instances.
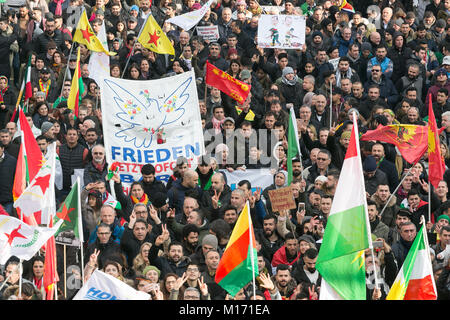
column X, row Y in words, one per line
column 153, row 38
column 345, row 6
column 415, row 280
column 293, row 144
column 239, row 263
column 341, row 255
column 76, row 89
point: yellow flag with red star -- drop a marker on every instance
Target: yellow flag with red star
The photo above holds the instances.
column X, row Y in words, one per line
column 153, row 38
column 84, row 34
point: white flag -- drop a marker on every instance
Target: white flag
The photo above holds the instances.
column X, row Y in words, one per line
column 22, row 240
column 38, row 199
column 102, row 286
column 190, row 19
column 99, row 62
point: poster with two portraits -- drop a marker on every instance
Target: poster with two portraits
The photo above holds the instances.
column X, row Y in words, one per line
column 281, row 31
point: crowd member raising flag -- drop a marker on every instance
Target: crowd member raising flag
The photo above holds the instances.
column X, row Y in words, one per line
column 341, row 256
column 415, row 280
column 239, row 263
column 190, row 19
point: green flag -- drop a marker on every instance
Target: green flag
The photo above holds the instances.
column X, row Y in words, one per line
column 293, row 144
column 69, row 211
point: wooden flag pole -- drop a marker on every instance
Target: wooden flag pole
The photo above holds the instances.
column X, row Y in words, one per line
column 65, row 273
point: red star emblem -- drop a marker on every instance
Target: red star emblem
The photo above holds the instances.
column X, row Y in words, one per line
column 153, row 38
column 64, row 213
column 43, row 182
column 14, row 234
column 86, row 34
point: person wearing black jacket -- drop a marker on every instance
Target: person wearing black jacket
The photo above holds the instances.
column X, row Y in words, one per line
column 6, row 39
column 7, row 170
column 151, row 185
column 105, row 244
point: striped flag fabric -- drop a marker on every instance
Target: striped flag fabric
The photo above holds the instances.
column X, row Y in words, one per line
column 239, row 263
column 341, row 255
column 415, row 280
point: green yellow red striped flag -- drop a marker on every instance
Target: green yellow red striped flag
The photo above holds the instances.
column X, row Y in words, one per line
column 239, row 263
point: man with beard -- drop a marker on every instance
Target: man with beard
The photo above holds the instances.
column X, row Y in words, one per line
column 378, row 152
column 380, row 197
column 320, row 111
column 151, row 185
column 385, row 277
column 173, row 262
column 270, row 239
column 205, row 172
column 50, row 34
column 401, row 248
column 97, row 169
column 306, row 273
column 289, row 253
column 284, row 282
column 378, row 228
column 230, row 215
column 190, row 238
column 134, row 235
column 411, row 79
column 212, row 259
column 296, row 168
column 218, row 196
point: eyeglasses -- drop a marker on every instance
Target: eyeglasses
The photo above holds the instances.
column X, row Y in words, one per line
column 140, row 212
column 322, row 159
column 187, row 297
column 98, row 153
column 103, row 233
column 192, row 269
column 376, row 70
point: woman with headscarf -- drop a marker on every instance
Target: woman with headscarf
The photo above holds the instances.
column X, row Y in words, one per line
column 290, row 87
column 279, row 181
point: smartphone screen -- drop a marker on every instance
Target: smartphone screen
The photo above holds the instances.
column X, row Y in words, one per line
column 301, row 206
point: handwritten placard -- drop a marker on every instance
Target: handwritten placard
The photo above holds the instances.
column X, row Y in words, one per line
column 282, row 199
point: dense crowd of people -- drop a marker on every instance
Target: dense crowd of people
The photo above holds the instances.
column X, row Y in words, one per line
column 384, row 60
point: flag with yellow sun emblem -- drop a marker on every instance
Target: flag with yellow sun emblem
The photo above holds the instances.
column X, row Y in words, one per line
column 341, row 255
column 154, row 39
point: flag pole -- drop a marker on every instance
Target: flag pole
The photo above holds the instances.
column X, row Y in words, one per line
column 80, row 229
column 65, row 272
column 134, row 44
column 331, row 104
column 366, row 214
column 398, row 186
column 429, row 200
column 252, row 255
column 20, row 277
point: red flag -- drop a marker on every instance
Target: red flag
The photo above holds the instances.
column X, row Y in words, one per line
column 30, row 158
column 436, row 164
column 411, row 140
column 50, row 272
column 221, row 80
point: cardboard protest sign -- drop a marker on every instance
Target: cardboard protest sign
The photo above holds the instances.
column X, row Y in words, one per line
column 282, row 199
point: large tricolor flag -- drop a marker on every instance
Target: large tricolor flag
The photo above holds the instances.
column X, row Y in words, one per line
column 36, row 205
column 341, row 256
column 76, row 88
column 415, row 280
column 20, row 239
column 153, row 38
column 293, row 143
column 239, row 263
column 30, row 158
column 26, row 90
